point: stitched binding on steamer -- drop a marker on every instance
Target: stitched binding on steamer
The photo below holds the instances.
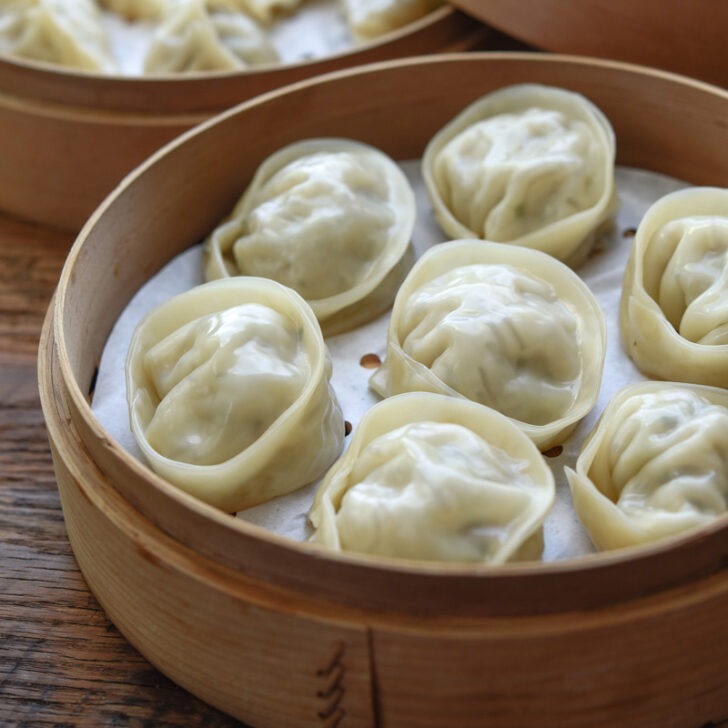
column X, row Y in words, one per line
column 333, row 691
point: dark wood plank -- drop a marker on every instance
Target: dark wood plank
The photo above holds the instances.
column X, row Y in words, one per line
column 62, row 662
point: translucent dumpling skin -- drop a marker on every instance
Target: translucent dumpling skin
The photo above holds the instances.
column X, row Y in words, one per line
column 656, row 465
column 493, row 333
column 694, row 287
column 431, row 478
column 222, row 380
column 229, row 393
column 505, row 326
column 674, row 306
column 528, row 164
column 332, row 219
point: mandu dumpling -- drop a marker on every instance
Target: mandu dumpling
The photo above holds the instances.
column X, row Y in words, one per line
column 370, row 19
column 196, row 37
column 528, row 164
column 508, row 327
column 656, row 464
column 674, row 307
column 56, row 31
column 229, row 393
column 332, row 219
column 432, row 478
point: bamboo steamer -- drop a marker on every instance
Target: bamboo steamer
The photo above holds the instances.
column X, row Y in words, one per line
column 686, row 37
column 277, row 634
column 67, row 138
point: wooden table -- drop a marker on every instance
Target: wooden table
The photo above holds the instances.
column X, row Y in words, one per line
column 61, row 661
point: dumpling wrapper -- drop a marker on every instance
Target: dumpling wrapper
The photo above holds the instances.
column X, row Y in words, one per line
column 508, row 327
column 674, row 307
column 528, row 164
column 429, row 477
column 371, row 19
column 193, row 37
column 229, row 393
column 62, row 33
column 655, row 465
column 332, row 219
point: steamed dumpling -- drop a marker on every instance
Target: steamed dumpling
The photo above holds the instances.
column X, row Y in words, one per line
column 56, row 31
column 656, row 464
column 194, row 37
column 332, row 219
column 433, row 478
column 674, row 307
column 370, row 19
column 528, row 164
column 229, row 393
column 505, row 326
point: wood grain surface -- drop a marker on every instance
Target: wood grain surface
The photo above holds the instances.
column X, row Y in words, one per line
column 61, row 661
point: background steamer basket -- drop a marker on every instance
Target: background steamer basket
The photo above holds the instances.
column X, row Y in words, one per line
column 279, row 634
column 67, row 138
column 687, row 38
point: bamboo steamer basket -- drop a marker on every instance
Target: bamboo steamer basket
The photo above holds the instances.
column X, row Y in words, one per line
column 686, row 37
column 278, row 634
column 67, row 137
